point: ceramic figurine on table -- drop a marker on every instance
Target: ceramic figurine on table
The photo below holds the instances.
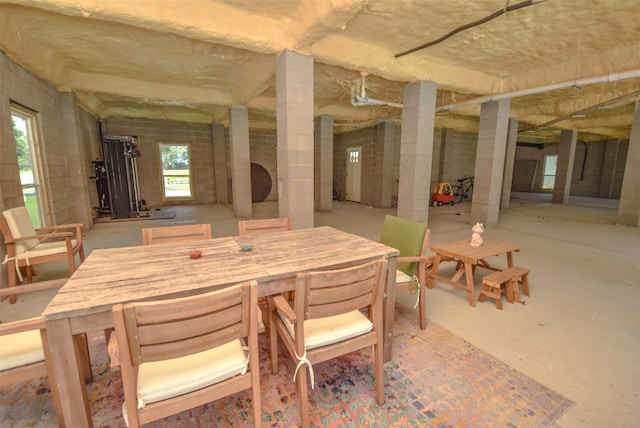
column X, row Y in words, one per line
column 476, row 239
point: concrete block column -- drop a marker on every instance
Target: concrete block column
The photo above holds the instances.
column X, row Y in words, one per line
column 240, row 161
column 629, row 208
column 564, row 171
column 221, row 174
column 509, row 159
column 490, row 155
column 609, row 168
column 323, row 163
column 383, row 164
column 416, row 150
column 294, row 110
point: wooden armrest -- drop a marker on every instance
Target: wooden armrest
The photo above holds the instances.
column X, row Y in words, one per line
column 61, row 226
column 30, row 288
column 21, row 326
column 283, row 308
column 41, row 236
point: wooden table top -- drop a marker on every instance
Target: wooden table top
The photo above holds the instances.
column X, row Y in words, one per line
column 301, row 250
column 462, row 250
column 117, row 275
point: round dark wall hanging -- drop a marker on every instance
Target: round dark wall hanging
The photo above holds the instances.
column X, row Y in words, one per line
column 260, row 183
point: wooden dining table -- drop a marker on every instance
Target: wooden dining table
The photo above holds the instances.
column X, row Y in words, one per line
column 468, row 258
column 152, row 272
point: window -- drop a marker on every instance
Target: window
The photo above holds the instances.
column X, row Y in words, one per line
column 28, row 152
column 549, row 177
column 176, row 173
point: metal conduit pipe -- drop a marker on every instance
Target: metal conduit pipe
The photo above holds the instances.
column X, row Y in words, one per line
column 363, row 100
column 612, row 77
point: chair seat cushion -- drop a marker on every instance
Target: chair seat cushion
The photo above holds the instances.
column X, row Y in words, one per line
column 160, row 380
column 324, row 331
column 46, row 249
column 20, row 349
column 407, row 290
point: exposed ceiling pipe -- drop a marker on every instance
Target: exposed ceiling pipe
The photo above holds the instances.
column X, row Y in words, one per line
column 612, row 77
column 359, row 100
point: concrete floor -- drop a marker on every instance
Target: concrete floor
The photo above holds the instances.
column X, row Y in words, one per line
column 578, row 333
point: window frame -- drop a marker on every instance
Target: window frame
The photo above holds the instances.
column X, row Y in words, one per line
column 546, row 175
column 190, row 175
column 39, row 185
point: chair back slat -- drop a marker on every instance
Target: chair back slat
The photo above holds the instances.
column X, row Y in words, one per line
column 184, row 326
column 336, row 292
column 180, row 329
column 261, row 226
column 176, row 348
column 175, row 234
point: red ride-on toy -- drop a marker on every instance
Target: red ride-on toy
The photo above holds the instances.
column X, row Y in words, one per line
column 443, row 194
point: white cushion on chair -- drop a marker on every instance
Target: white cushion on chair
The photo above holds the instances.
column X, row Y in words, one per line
column 160, row 380
column 20, row 349
column 324, row 331
column 407, row 298
column 20, row 225
column 45, row 249
column 402, row 277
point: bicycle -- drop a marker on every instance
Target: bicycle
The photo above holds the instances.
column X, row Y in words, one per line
column 464, row 189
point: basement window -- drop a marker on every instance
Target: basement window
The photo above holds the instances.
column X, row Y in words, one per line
column 175, row 159
column 549, row 177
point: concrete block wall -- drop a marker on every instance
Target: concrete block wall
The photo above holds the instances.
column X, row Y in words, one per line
column 588, row 157
column 152, row 132
column 61, row 133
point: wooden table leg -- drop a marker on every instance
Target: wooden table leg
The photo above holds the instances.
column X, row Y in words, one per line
column 389, row 309
column 468, row 272
column 434, row 271
column 69, row 379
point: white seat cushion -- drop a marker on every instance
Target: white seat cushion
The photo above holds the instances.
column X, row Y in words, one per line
column 20, row 349
column 45, row 249
column 324, row 331
column 407, row 298
column 160, row 380
column 20, row 225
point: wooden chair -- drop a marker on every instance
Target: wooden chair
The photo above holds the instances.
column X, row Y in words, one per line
column 182, row 353
column 259, row 227
column 175, row 234
column 24, row 348
column 411, row 239
column 27, row 246
column 325, row 320
column 255, row 227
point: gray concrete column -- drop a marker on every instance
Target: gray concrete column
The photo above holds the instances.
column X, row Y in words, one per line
column 609, row 166
column 240, row 161
column 509, row 159
column 221, row 174
column 383, row 161
column 294, row 110
column 490, row 155
column 564, row 171
column 416, row 150
column 629, row 208
column 323, row 163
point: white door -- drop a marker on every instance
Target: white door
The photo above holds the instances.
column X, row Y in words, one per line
column 354, row 171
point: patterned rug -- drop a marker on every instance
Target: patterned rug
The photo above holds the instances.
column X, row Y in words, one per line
column 436, row 379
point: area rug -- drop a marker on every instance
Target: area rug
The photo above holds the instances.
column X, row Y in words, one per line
column 435, row 379
column 148, row 214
